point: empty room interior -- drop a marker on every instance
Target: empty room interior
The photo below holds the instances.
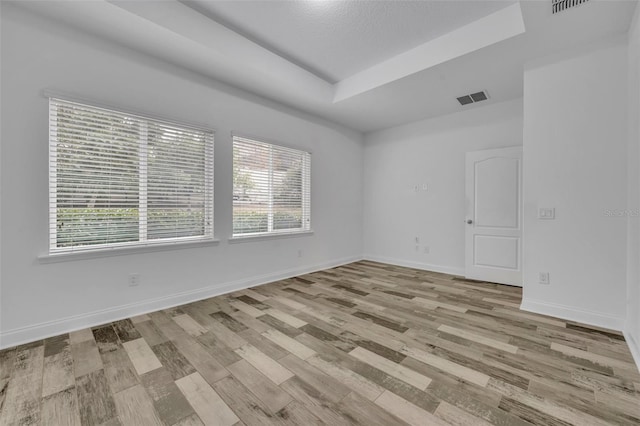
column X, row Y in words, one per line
column 317, row 212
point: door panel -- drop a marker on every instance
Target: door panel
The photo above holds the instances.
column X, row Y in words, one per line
column 494, row 215
column 499, row 252
column 497, row 193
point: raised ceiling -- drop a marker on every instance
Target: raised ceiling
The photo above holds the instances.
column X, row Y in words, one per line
column 336, row 39
column 366, row 65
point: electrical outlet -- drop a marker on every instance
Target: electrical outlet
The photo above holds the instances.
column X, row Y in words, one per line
column 134, row 280
column 543, row 278
column 299, row 252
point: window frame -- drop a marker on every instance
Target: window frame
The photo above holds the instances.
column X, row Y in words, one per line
column 143, row 243
column 306, row 209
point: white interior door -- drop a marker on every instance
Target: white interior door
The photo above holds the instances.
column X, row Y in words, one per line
column 494, row 215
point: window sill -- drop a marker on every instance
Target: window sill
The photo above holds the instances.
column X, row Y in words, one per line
column 120, row 251
column 260, row 237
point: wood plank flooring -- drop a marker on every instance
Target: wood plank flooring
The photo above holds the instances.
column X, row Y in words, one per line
column 365, row 343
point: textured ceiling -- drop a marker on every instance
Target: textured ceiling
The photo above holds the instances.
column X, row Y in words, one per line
column 419, row 82
column 336, row 39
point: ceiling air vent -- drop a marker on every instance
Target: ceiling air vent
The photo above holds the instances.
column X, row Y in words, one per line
column 560, row 5
column 474, row 97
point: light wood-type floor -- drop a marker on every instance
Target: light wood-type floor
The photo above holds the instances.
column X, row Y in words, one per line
column 365, row 343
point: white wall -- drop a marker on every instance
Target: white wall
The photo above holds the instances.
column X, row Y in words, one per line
column 430, row 152
column 45, row 299
column 633, row 191
column 575, row 159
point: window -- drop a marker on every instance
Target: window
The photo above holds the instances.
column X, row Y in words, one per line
column 271, row 188
column 119, row 180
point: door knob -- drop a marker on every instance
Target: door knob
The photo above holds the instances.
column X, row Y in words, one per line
column 469, row 221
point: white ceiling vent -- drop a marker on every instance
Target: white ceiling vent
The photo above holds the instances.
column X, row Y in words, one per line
column 474, row 97
column 560, row 5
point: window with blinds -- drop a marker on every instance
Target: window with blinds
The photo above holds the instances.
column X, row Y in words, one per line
column 271, row 188
column 119, row 180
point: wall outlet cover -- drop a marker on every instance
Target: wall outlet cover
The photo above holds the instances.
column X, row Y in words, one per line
column 544, row 278
column 134, row 280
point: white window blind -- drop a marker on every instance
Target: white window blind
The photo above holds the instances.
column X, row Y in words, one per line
column 118, row 179
column 271, row 188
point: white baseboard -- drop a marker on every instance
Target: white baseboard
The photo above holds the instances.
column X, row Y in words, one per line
column 633, row 347
column 451, row 270
column 597, row 319
column 43, row 330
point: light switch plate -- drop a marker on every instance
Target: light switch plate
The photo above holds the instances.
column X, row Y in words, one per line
column 546, row 213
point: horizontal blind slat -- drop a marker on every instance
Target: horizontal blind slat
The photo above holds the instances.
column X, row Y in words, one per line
column 271, row 188
column 117, row 178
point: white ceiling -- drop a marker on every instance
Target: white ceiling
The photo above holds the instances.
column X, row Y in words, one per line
column 366, row 65
column 336, row 39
